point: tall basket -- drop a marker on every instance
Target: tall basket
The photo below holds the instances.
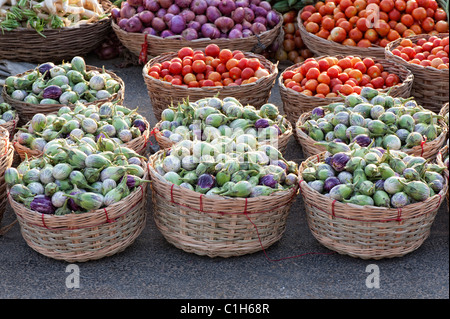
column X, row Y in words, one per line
column 6, row 160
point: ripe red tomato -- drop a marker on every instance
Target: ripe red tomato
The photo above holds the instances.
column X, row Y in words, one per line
column 175, row 68
column 189, row 78
column 186, row 51
column 254, row 63
column 212, row 50
column 199, row 66
column 235, row 73
column 247, row 73
column 225, row 55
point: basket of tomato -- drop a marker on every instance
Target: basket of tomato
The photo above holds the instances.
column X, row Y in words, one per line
column 366, row 27
column 174, row 77
column 324, row 80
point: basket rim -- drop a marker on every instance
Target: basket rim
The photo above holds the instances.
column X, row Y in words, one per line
column 116, row 28
column 273, row 73
column 116, row 96
column 241, row 202
column 345, row 208
column 414, row 67
column 301, row 135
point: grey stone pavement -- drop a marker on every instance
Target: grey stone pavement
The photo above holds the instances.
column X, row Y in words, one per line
column 151, row 268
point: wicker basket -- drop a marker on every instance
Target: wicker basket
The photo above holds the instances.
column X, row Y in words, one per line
column 367, row 232
column 162, row 94
column 6, row 160
column 296, row 103
column 10, row 126
column 158, row 46
column 431, row 86
column 165, row 142
column 428, row 150
column 27, row 110
column 27, row 45
column 320, row 46
column 87, row 236
column 139, row 145
column 440, row 158
column 216, row 226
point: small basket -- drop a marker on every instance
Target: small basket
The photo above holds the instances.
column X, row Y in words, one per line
column 27, row 110
column 367, row 232
column 87, row 236
column 320, row 46
column 27, row 45
column 440, row 161
column 162, row 94
column 158, row 46
column 427, row 150
column 217, row 226
column 139, row 145
column 6, row 160
column 165, row 142
column 10, row 126
column 431, row 86
column 296, row 103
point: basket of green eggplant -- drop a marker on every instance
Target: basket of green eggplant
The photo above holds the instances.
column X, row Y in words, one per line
column 86, row 123
column 79, row 201
column 394, row 123
column 223, row 198
column 371, row 203
column 9, row 118
column 48, row 87
column 211, row 117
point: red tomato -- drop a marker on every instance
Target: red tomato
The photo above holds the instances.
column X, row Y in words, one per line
column 215, row 76
column 199, row 56
column 207, row 83
column 212, row 50
column 221, row 68
column 154, row 74
column 186, row 51
column 253, row 63
column 235, row 73
column 175, row 68
column 247, row 73
column 225, row 55
column 189, row 78
column 199, row 66
column 242, row 64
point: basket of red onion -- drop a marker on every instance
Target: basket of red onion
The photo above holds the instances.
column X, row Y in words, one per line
column 168, row 25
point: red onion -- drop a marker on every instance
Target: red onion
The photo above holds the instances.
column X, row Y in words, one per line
column 247, row 33
column 212, row 13
column 161, row 13
column 151, row 5
column 158, row 24
column 199, row 6
column 189, row 34
column 146, row 17
column 255, row 2
column 242, row 3
column 183, row 3
column 150, row 31
column 202, row 19
column 261, row 20
column 165, row 3
column 238, row 26
column 260, row 12
column 134, row 24
column 235, row 34
column 224, row 24
column 174, row 9
column 115, row 13
column 227, row 7
column 209, row 30
column 249, row 14
column 194, row 25
column 167, row 18
column 266, row 5
column 272, row 18
column 258, row 28
column 246, row 25
column 123, row 24
column 238, row 15
column 140, row 9
column 166, row 33
column 127, row 11
column 213, row 3
column 187, row 15
column 177, row 24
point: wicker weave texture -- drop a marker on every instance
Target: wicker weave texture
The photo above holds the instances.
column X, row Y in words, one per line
column 163, row 94
column 440, row 158
column 296, row 103
column 58, row 44
column 217, row 226
column 431, row 86
column 87, row 236
column 367, row 232
column 6, row 160
column 10, row 126
column 158, row 46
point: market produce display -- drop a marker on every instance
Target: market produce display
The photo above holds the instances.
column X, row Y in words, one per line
column 196, row 19
column 66, row 84
column 334, row 77
column 233, row 167
column 7, row 113
column 108, row 124
column 432, row 52
column 373, row 118
column 72, row 178
column 211, row 118
column 48, row 14
column 371, row 176
column 352, row 22
column 213, row 67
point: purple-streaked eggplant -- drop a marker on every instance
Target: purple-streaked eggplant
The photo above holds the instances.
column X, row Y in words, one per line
column 339, row 161
column 42, row 204
column 87, row 200
column 134, row 181
column 205, row 182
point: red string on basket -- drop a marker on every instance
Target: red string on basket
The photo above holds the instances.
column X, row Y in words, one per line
column 399, row 215
column 107, row 217
column 422, row 145
column 143, row 53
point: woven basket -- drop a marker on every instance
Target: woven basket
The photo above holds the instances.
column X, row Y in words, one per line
column 216, row 226
column 320, row 46
column 367, row 232
column 27, row 45
column 6, row 160
column 87, row 236
column 296, row 103
column 162, row 94
column 429, row 150
column 158, row 46
column 10, row 126
column 165, row 142
column 443, row 153
column 139, row 145
column 27, row 110
column 431, row 86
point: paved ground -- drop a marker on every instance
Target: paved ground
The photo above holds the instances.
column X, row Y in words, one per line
column 152, row 268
